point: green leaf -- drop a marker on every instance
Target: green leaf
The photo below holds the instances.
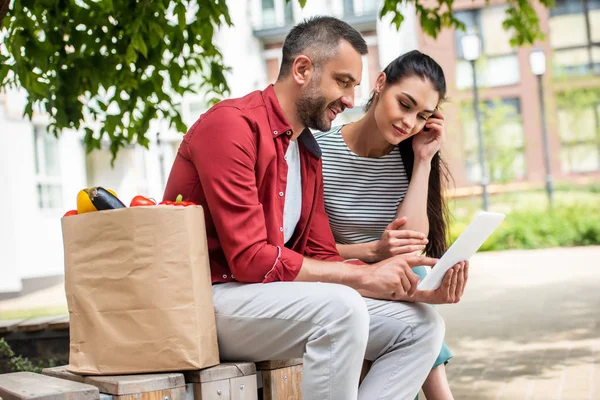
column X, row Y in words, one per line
column 28, row 109
column 139, row 45
column 180, row 12
column 130, row 55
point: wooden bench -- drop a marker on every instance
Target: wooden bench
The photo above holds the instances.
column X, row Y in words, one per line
column 281, row 379
column 227, row 381
column 30, row 386
column 167, row 386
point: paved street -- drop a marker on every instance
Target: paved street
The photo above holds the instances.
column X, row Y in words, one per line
column 528, row 326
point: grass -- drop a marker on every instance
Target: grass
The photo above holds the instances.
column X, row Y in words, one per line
column 32, row 313
column 463, row 209
column 573, row 220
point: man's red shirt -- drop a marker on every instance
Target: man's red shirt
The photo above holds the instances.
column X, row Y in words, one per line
column 231, row 162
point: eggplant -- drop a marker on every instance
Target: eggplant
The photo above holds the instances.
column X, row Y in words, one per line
column 102, row 199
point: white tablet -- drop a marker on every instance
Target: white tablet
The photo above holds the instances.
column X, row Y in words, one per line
column 463, row 248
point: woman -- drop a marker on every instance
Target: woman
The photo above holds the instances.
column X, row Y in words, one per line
column 384, row 176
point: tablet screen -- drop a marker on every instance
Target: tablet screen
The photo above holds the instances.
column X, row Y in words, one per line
column 463, row 248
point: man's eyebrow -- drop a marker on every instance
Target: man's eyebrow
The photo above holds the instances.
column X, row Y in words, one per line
column 345, row 75
column 415, row 102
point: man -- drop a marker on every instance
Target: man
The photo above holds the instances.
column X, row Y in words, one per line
column 255, row 167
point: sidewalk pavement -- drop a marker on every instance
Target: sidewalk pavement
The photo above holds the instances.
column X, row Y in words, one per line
column 528, row 326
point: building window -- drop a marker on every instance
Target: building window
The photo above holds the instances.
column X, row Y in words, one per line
column 503, row 139
column 47, row 169
column 269, row 17
column 579, row 129
column 575, row 37
column 276, row 13
column 498, row 65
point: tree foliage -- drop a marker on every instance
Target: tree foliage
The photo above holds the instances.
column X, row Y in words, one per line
column 109, row 67
column 119, row 63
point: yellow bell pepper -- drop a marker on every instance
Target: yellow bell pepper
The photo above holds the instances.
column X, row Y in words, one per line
column 84, row 203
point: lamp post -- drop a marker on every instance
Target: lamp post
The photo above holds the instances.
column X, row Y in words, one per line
column 537, row 62
column 471, row 50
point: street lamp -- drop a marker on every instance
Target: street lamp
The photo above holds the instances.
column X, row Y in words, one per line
column 471, row 50
column 537, row 62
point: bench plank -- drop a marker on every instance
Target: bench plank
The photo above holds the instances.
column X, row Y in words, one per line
column 119, row 385
column 30, row 386
column 62, row 373
column 276, row 364
column 35, row 324
column 60, row 323
column 132, row 384
column 7, row 324
column 220, row 372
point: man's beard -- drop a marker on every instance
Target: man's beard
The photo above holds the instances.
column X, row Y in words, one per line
column 311, row 108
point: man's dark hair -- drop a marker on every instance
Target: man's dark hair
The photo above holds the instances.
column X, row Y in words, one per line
column 318, row 38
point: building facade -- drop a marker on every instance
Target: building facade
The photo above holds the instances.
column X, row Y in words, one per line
column 510, row 103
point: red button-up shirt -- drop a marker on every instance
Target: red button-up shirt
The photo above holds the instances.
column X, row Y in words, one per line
column 231, row 162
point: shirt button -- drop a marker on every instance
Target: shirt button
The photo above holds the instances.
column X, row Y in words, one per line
column 288, row 133
column 275, row 132
column 285, row 158
column 280, row 194
column 224, row 276
column 281, row 229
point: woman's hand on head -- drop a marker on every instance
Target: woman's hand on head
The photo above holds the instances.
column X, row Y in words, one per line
column 429, row 141
column 395, row 241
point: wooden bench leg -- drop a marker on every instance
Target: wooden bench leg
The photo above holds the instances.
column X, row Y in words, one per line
column 228, row 381
column 281, row 380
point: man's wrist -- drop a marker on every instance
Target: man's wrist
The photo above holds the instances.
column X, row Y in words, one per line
column 355, row 276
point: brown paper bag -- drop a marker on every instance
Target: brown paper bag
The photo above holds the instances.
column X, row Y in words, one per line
column 139, row 291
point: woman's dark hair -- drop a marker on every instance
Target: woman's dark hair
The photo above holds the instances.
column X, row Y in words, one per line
column 415, row 63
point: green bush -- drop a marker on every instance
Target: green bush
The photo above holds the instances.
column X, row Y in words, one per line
column 9, row 361
column 574, row 225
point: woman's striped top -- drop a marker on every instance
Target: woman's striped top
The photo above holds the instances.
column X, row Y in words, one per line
column 362, row 194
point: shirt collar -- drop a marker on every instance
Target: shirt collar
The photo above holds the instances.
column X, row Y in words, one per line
column 279, row 124
column 309, row 141
column 277, row 120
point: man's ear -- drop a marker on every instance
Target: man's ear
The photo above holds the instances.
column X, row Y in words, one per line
column 302, row 69
column 380, row 83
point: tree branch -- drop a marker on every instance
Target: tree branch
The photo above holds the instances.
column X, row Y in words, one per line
column 3, row 9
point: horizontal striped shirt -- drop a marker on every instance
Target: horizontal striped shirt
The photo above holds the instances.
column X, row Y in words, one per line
column 362, row 194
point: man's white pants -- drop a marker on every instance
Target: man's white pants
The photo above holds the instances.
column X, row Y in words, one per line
column 333, row 328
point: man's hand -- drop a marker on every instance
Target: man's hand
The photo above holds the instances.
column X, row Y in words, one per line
column 395, row 241
column 393, row 279
column 451, row 289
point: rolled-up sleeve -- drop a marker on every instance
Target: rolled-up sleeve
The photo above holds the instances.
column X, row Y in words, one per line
column 224, row 155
